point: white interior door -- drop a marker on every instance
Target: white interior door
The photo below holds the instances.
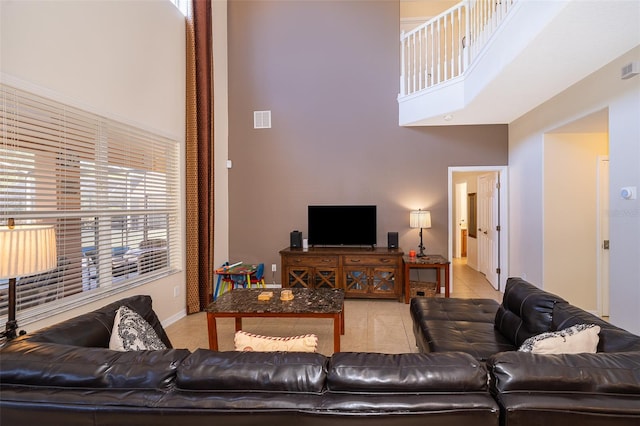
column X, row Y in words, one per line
column 488, row 228
column 603, row 236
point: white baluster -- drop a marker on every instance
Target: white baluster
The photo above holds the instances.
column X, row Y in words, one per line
column 402, row 65
column 413, row 62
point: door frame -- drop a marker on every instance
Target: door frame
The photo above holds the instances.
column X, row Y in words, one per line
column 502, row 211
column 602, row 233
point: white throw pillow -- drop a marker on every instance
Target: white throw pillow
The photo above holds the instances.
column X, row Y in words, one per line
column 132, row 333
column 581, row 338
column 254, row 342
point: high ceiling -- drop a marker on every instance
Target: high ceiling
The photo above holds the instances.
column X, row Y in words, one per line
column 583, row 37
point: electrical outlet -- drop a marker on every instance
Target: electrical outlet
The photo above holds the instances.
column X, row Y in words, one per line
column 176, row 291
column 274, row 267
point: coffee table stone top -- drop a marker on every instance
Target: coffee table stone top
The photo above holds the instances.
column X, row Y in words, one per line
column 245, row 300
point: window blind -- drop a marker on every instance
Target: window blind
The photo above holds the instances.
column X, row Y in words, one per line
column 110, row 189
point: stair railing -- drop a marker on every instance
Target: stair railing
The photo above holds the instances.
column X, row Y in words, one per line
column 442, row 48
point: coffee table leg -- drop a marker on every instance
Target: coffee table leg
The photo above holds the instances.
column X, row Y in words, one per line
column 213, row 331
column 336, row 332
column 342, row 321
column 238, row 323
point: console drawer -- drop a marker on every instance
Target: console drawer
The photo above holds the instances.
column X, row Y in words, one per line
column 369, row 260
column 316, row 261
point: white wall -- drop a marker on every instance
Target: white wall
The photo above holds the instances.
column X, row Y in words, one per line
column 123, row 59
column 221, row 132
column 602, row 89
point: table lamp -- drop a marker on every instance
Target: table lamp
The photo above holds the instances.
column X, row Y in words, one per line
column 420, row 219
column 24, row 250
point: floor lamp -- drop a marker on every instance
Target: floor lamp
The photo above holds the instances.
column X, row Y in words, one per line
column 26, row 250
column 420, row 219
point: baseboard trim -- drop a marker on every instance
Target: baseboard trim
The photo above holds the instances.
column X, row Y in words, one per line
column 174, row 318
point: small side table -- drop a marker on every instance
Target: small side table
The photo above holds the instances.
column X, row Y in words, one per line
column 225, row 275
column 431, row 261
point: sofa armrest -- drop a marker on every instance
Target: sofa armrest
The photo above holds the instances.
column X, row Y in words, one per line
column 593, row 373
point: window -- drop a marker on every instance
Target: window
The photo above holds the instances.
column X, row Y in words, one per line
column 111, row 190
column 182, row 5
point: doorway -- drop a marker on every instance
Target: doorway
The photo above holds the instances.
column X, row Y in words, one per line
column 494, row 249
column 575, row 211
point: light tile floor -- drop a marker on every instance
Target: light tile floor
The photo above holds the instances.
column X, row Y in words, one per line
column 370, row 325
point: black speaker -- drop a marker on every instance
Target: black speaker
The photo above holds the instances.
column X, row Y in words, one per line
column 295, row 239
column 392, row 240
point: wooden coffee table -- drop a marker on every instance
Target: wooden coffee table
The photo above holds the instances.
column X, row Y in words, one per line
column 243, row 303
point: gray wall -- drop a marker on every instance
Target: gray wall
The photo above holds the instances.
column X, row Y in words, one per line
column 329, row 72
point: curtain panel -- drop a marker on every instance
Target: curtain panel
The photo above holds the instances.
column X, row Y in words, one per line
column 199, row 155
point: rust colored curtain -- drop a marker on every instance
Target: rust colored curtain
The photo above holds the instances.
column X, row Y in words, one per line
column 199, row 156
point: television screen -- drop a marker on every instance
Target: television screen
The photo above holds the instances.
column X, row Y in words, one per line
column 342, row 225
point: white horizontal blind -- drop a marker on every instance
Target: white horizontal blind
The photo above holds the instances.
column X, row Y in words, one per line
column 110, row 189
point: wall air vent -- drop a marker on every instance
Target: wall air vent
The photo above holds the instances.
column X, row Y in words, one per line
column 261, row 119
column 631, row 69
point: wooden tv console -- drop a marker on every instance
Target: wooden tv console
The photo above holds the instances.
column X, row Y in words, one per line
column 360, row 271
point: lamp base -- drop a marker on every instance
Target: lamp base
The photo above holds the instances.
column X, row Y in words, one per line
column 11, row 325
column 421, row 246
column 10, row 330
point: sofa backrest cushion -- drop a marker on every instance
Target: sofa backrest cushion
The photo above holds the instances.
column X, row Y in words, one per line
column 253, row 371
column 55, row 365
column 408, row 372
column 525, row 311
column 612, row 338
column 93, row 329
column 593, row 373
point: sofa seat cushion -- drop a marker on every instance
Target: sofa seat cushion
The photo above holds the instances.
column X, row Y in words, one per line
column 408, row 372
column 206, row 370
column 478, row 339
column 438, row 308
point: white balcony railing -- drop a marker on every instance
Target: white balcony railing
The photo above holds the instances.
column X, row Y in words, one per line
column 442, row 48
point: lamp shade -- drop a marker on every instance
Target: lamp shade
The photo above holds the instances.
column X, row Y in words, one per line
column 420, row 219
column 27, row 250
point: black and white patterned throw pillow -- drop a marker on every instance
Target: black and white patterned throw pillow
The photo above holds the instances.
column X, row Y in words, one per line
column 580, row 338
column 132, row 333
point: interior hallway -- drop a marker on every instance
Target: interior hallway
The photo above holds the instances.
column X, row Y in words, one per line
column 370, row 325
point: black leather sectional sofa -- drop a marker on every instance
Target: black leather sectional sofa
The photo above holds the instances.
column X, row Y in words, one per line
column 66, row 375
column 600, row 388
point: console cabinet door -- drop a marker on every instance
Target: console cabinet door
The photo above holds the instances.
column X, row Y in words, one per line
column 299, row 277
column 383, row 281
column 325, row 277
column 369, row 281
column 356, row 280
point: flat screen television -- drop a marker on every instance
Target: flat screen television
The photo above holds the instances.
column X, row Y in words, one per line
column 342, row 225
